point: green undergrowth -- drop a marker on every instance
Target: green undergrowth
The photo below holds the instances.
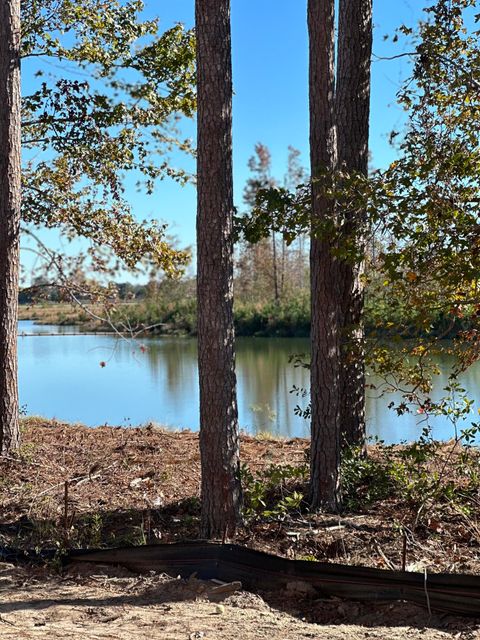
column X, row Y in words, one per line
column 174, row 312
column 273, row 492
column 416, row 480
column 287, row 318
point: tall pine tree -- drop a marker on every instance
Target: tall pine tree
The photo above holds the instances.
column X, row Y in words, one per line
column 10, row 187
column 219, row 442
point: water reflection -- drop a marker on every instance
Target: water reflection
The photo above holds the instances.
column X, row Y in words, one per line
column 61, row 376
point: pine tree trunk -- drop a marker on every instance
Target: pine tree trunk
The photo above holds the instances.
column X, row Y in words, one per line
column 219, row 444
column 325, row 305
column 352, row 113
column 10, row 194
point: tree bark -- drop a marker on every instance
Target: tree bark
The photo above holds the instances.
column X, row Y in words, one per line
column 325, row 305
column 219, row 443
column 10, row 194
column 352, row 118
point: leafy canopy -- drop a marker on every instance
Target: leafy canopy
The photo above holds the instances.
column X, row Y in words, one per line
column 110, row 88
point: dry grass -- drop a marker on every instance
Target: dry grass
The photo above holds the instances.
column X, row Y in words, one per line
column 142, row 485
column 139, row 485
column 65, row 313
column 124, row 485
column 61, row 313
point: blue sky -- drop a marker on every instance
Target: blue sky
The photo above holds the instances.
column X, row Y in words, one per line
column 270, row 74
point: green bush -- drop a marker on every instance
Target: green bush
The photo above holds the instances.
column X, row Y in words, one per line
column 273, row 492
column 366, row 479
column 172, row 307
column 286, row 319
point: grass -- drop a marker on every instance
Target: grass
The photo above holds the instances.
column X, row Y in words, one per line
column 60, row 313
column 174, row 313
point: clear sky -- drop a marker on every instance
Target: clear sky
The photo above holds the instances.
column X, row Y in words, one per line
column 270, row 75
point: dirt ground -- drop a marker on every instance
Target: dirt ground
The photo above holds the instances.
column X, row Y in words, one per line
column 73, row 486
column 100, row 602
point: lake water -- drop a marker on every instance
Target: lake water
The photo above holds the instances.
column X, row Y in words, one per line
column 61, row 376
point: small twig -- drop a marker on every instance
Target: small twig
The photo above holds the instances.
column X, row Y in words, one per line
column 404, row 550
column 406, row 54
column 57, row 486
column 426, row 592
column 20, row 461
column 389, row 564
column 77, row 480
column 65, row 507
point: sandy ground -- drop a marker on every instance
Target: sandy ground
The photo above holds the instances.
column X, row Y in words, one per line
column 100, row 602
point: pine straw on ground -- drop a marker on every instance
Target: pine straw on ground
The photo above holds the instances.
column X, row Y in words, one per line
column 74, row 486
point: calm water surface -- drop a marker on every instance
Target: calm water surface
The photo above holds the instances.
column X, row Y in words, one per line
column 61, row 377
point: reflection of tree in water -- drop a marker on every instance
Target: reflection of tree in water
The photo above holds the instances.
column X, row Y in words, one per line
column 165, row 376
column 173, row 364
column 264, row 374
column 265, row 379
column 172, row 368
column 173, row 360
